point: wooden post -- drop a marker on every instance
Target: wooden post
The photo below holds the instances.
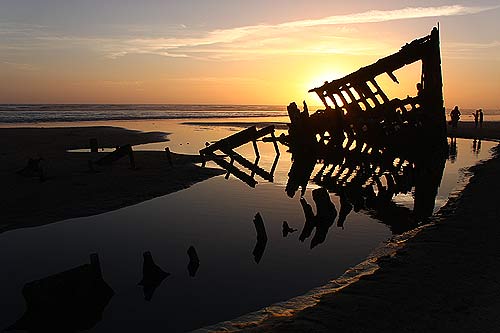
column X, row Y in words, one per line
column 131, row 158
column 94, row 148
column 169, row 157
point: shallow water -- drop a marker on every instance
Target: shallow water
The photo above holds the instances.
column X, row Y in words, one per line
column 214, row 216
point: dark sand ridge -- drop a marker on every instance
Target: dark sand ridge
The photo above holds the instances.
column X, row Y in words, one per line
column 444, row 279
column 70, row 189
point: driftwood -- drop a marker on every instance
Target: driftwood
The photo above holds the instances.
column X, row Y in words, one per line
column 119, row 153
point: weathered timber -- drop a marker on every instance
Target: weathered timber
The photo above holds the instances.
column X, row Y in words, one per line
column 119, row 153
column 227, row 146
column 232, row 141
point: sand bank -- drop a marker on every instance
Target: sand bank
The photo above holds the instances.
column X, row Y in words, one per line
column 70, row 189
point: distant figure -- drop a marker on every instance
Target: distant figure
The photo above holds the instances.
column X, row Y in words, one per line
column 476, row 117
column 420, row 90
column 455, row 117
column 306, row 110
column 481, row 118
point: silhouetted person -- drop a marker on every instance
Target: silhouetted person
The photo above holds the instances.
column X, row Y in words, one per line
column 420, row 90
column 306, row 109
column 476, row 118
column 286, row 229
column 152, row 276
column 481, row 118
column 194, row 261
column 259, row 248
column 455, row 116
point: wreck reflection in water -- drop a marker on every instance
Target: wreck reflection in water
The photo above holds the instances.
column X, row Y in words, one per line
column 366, row 178
column 69, row 301
column 228, row 282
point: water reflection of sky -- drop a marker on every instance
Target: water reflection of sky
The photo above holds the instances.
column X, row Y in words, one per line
column 215, row 217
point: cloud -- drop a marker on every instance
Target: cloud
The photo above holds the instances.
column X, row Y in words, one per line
column 461, row 50
column 332, row 34
column 267, row 39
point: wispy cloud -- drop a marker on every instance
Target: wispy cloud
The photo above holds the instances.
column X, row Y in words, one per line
column 268, row 38
column 457, row 50
column 331, row 34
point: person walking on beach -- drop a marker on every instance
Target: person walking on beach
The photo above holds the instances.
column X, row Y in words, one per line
column 476, row 117
column 455, row 117
column 481, row 117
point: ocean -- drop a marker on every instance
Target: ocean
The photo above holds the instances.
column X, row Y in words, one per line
column 36, row 113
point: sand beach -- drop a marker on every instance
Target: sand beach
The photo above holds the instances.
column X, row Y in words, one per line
column 69, row 188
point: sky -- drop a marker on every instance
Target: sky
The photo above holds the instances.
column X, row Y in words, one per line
column 233, row 51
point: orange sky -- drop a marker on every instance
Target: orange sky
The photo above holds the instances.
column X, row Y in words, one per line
column 253, row 60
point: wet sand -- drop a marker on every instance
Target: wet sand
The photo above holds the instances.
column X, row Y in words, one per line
column 444, row 279
column 70, row 189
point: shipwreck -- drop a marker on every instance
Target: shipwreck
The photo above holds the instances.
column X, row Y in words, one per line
column 372, row 147
column 363, row 146
column 357, row 107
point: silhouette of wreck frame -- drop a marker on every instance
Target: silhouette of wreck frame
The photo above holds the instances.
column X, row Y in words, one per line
column 358, row 113
column 227, row 146
column 356, row 105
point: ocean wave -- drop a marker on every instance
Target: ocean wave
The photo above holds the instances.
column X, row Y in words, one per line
column 30, row 113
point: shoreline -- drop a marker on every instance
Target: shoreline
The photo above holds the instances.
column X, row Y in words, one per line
column 70, row 189
column 428, row 279
column 435, row 282
column 184, row 167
